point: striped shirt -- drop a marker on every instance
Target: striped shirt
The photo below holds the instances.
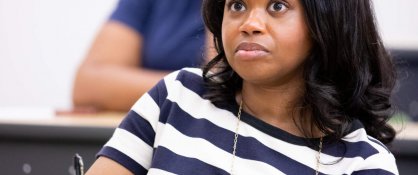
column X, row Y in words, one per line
column 172, row 129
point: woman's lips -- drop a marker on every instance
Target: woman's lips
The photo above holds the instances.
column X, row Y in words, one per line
column 250, row 50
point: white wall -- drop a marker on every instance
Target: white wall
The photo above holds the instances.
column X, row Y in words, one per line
column 41, row 45
column 43, row 41
column 398, row 22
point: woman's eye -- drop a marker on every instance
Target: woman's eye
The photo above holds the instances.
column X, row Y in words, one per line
column 237, row 6
column 277, row 7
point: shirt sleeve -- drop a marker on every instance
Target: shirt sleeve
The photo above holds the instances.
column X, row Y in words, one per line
column 133, row 13
column 383, row 163
column 132, row 143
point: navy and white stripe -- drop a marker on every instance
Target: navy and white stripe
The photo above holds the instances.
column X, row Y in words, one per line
column 173, row 130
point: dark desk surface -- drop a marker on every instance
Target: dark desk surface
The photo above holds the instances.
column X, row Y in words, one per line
column 47, row 146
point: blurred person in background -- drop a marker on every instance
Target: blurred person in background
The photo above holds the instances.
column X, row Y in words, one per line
column 142, row 42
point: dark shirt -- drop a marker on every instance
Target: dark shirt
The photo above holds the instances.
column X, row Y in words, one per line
column 173, row 31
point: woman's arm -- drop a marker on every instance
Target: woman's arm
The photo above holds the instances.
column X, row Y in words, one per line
column 111, row 77
column 106, row 166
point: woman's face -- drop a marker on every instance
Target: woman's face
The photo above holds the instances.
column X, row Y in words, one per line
column 265, row 41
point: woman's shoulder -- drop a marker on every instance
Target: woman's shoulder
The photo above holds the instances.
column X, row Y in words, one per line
column 185, row 75
column 358, row 136
column 186, row 79
column 189, row 73
column 369, row 149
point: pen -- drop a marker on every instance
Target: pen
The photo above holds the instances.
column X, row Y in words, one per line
column 78, row 165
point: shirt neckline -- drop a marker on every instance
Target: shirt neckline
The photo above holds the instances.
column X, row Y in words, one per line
column 281, row 134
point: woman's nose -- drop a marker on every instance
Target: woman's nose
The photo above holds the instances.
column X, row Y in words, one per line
column 254, row 23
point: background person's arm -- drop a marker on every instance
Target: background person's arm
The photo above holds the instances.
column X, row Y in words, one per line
column 111, row 77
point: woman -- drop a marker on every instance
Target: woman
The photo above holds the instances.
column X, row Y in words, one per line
column 297, row 87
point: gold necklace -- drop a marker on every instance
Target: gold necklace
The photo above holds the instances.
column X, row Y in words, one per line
column 234, row 147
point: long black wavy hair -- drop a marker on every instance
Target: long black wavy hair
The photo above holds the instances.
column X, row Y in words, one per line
column 348, row 74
